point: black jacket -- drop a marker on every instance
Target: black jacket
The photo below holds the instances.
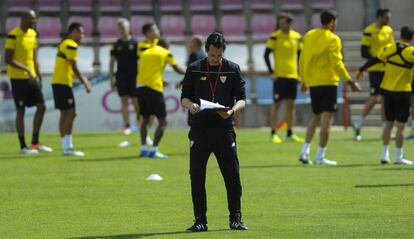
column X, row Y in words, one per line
column 197, row 85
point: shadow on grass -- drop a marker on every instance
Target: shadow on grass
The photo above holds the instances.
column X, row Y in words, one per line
column 15, row 156
column 394, row 169
column 128, row 157
column 139, row 235
column 273, row 166
column 385, row 185
column 307, row 166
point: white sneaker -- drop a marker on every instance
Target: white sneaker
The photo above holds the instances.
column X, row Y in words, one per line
column 127, row 131
column 71, row 152
column 325, row 162
column 148, row 141
column 404, row 162
column 41, row 148
column 29, row 151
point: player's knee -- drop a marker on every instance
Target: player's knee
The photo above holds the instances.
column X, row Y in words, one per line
column 163, row 122
column 41, row 108
column 145, row 121
column 71, row 114
column 20, row 111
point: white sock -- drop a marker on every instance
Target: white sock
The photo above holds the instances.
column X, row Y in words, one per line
column 63, row 142
column 398, row 154
column 305, row 149
column 66, row 139
column 359, row 122
column 70, row 141
column 385, row 152
column 154, row 149
column 412, row 124
column 321, row 153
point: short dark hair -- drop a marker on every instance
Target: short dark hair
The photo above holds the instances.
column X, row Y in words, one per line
column 198, row 40
column 147, row 27
column 74, row 26
column 217, row 40
column 286, row 15
column 407, row 32
column 328, row 16
column 163, row 43
column 382, row 11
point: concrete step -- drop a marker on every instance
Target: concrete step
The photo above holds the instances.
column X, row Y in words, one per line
column 350, row 36
column 358, row 97
column 370, row 120
column 356, row 109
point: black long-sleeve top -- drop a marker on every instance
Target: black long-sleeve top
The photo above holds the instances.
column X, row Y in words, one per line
column 197, row 85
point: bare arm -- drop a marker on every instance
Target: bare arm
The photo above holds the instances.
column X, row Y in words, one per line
column 178, row 69
column 10, row 61
column 36, row 66
column 191, row 106
column 111, row 72
column 83, row 79
column 266, row 57
column 240, row 104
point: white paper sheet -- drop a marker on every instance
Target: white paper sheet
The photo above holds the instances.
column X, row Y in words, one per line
column 205, row 105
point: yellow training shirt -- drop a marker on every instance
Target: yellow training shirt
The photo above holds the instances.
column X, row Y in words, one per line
column 376, row 39
column 151, row 67
column 285, row 47
column 144, row 45
column 24, row 44
column 320, row 62
column 63, row 72
column 398, row 67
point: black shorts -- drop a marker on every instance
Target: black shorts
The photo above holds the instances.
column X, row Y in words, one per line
column 151, row 102
column 375, row 80
column 284, row 88
column 26, row 93
column 323, row 99
column 126, row 86
column 63, row 96
column 396, row 105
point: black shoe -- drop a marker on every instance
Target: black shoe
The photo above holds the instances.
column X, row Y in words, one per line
column 198, row 227
column 236, row 223
column 384, row 161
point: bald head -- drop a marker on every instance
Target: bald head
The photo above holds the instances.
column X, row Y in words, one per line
column 28, row 19
column 195, row 43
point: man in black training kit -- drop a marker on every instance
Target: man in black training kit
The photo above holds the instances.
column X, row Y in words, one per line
column 218, row 80
column 124, row 54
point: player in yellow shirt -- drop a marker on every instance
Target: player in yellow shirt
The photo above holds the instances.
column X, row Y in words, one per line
column 285, row 44
column 26, row 80
column 65, row 70
column 374, row 38
column 321, row 67
column 152, row 35
column 396, row 90
column 150, row 86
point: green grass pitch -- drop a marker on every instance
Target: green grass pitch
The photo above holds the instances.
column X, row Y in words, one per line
column 106, row 195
